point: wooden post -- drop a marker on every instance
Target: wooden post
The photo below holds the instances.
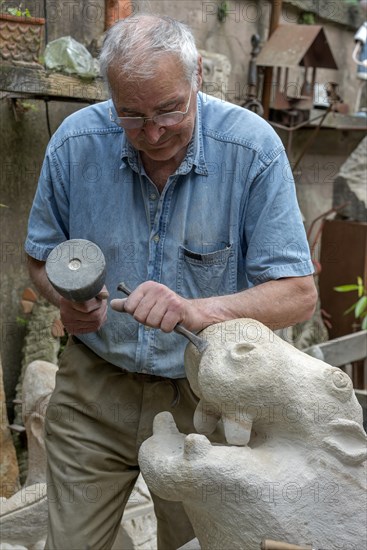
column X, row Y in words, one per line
column 115, row 10
column 276, row 10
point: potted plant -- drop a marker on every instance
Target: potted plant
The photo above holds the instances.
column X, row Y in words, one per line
column 20, row 36
column 359, row 307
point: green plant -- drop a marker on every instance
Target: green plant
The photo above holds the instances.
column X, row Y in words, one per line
column 17, row 11
column 359, row 307
column 306, row 18
column 222, row 11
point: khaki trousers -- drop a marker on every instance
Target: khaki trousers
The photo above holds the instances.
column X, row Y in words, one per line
column 96, row 420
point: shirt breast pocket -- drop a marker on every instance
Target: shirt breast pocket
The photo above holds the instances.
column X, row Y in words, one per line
column 205, row 275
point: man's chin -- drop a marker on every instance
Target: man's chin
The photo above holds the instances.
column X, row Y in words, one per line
column 159, row 153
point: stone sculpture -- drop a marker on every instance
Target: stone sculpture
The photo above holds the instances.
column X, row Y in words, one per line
column 23, row 519
column 294, row 468
column 23, row 516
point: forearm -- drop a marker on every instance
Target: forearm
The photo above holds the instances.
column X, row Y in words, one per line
column 39, row 278
column 277, row 304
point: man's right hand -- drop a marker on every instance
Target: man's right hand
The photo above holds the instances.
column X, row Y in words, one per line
column 84, row 317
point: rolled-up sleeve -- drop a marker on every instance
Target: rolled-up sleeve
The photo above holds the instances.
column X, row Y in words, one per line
column 277, row 245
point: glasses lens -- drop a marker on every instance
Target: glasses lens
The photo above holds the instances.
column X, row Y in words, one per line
column 169, row 119
column 131, row 123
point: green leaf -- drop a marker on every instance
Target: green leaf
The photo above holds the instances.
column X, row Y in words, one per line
column 21, row 321
column 364, row 324
column 361, row 306
column 18, row 11
column 361, row 291
column 346, row 288
column 351, row 308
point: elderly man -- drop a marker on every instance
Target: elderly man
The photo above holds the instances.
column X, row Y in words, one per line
column 192, row 202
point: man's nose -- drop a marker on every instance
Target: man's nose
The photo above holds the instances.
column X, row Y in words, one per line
column 153, row 131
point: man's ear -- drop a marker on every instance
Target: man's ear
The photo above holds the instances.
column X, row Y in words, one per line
column 199, row 72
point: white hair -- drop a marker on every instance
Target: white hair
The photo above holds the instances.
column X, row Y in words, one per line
column 136, row 44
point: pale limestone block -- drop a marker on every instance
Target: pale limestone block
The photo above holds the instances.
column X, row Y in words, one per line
column 38, row 385
column 192, row 545
column 216, row 72
column 23, row 517
column 350, row 185
column 294, row 468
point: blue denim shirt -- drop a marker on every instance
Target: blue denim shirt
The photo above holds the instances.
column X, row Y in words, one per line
column 226, row 220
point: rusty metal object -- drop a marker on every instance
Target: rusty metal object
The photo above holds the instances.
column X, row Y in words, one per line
column 276, row 11
column 334, row 99
column 251, row 102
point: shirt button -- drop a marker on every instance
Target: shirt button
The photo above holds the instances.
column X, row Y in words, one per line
column 156, row 238
column 153, row 196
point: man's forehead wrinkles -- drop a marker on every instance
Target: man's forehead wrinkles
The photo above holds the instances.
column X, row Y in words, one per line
column 178, row 98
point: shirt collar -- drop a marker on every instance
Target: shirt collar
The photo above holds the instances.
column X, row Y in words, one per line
column 194, row 155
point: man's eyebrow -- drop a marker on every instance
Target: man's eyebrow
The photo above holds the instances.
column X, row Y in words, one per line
column 127, row 110
column 174, row 101
column 162, row 105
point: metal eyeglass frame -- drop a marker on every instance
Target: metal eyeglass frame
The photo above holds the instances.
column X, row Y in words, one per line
column 138, row 122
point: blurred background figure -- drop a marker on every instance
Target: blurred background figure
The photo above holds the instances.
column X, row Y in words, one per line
column 360, row 58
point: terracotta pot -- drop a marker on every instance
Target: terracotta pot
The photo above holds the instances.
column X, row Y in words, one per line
column 20, row 39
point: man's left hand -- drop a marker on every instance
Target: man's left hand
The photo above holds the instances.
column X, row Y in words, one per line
column 155, row 305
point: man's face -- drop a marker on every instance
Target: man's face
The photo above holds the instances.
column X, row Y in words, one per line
column 167, row 91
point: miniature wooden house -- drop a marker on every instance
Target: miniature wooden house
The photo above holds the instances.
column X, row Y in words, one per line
column 294, row 46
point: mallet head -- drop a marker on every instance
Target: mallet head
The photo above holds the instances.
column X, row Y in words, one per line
column 76, row 269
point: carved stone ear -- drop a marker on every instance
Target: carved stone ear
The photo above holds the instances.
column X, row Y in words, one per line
column 35, row 423
column 164, row 424
column 239, row 351
column 347, row 441
column 196, row 447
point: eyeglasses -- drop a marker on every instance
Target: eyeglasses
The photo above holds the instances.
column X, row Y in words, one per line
column 165, row 119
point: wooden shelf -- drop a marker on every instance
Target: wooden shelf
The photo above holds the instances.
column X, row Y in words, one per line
column 37, row 83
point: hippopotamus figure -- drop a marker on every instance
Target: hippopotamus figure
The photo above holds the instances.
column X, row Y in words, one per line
column 294, row 466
